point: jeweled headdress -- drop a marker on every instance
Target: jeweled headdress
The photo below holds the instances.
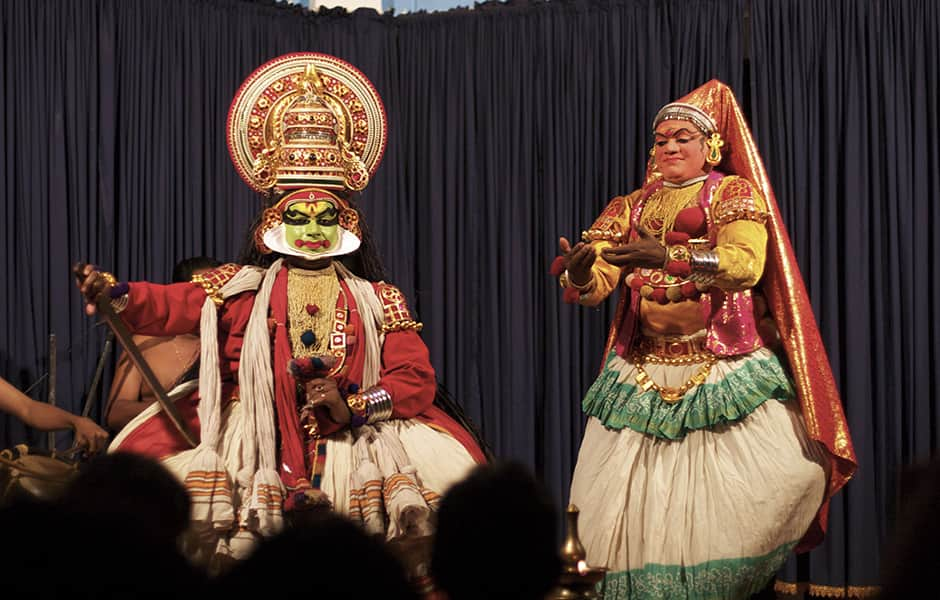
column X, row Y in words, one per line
column 306, row 121
column 682, row 111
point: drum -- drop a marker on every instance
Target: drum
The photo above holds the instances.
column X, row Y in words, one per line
column 34, row 473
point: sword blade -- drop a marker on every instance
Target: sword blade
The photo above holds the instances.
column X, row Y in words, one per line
column 133, row 353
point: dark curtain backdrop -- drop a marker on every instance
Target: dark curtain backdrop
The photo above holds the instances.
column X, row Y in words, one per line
column 510, row 125
column 845, row 110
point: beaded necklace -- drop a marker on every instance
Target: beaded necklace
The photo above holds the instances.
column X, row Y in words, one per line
column 311, row 302
column 664, row 205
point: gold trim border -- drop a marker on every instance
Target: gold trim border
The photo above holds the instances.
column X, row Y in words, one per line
column 826, row 591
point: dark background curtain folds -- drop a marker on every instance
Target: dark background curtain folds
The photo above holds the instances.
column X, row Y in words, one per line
column 509, row 126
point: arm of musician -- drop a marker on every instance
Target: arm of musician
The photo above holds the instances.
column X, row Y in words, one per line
column 46, row 417
column 154, row 309
column 125, row 401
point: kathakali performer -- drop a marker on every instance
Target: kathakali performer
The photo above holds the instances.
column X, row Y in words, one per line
column 314, row 385
column 715, row 436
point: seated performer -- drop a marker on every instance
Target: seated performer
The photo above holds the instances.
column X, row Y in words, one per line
column 172, row 358
column 46, row 417
column 314, row 385
column 710, row 452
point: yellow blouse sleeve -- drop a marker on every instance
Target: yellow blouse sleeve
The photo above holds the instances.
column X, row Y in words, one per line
column 604, row 276
column 740, row 213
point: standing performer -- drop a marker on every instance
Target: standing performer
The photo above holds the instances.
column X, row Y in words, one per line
column 715, row 436
column 314, row 386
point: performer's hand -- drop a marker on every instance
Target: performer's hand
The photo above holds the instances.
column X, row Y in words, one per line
column 323, row 392
column 645, row 252
column 578, row 261
column 91, row 284
column 89, row 435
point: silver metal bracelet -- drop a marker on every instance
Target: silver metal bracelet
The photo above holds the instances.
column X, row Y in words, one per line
column 378, row 404
column 705, row 261
column 704, row 265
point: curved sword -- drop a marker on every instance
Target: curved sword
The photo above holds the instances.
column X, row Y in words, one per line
column 123, row 336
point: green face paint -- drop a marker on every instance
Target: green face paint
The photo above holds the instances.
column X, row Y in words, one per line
column 312, row 227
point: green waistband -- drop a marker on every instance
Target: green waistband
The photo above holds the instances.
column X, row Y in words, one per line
column 621, row 405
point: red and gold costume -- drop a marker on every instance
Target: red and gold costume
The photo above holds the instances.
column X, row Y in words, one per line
column 406, row 372
column 309, row 129
column 716, row 434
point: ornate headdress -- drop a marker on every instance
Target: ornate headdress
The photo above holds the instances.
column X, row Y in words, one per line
column 306, row 122
column 684, row 111
column 681, row 111
column 783, row 286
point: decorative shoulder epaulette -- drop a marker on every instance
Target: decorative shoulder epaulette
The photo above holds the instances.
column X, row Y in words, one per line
column 212, row 281
column 735, row 202
column 397, row 315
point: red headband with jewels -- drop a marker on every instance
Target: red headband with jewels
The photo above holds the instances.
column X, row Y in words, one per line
column 273, row 216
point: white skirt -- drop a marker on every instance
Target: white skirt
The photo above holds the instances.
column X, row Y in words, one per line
column 389, row 476
column 713, row 514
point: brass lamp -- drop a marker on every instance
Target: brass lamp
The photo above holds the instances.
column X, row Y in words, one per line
column 578, row 581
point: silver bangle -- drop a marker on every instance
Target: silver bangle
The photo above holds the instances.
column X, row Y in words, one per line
column 378, row 404
column 704, row 261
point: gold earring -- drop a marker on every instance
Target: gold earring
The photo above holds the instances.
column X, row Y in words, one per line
column 653, row 158
column 714, row 143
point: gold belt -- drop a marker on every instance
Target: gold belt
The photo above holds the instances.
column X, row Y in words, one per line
column 671, row 351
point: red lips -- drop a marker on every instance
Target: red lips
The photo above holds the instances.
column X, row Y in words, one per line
column 314, row 245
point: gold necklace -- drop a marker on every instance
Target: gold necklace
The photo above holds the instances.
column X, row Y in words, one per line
column 662, row 208
column 311, row 303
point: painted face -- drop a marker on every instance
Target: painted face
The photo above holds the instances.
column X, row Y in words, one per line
column 679, row 150
column 312, row 227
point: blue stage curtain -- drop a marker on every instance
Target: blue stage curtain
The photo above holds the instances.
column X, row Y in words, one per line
column 509, row 126
column 846, row 102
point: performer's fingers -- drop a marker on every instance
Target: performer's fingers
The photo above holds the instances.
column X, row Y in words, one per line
column 564, row 245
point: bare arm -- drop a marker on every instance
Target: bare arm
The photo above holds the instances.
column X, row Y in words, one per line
column 50, row 418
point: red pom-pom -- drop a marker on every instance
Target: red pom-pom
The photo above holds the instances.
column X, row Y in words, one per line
column 558, row 266
column 689, row 290
column 571, row 296
column 635, row 282
column 659, row 295
column 675, row 238
column 691, row 220
column 678, row 268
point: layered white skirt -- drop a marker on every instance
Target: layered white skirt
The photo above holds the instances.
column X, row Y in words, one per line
column 712, row 513
column 388, row 476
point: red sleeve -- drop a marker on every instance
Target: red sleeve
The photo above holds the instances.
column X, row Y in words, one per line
column 154, row 309
column 407, row 374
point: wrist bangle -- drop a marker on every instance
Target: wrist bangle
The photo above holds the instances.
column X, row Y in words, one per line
column 704, row 266
column 119, row 303
column 704, row 261
column 357, row 409
column 378, row 404
column 576, row 286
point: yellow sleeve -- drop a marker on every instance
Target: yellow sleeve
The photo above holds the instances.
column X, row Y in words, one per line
column 740, row 213
column 604, row 276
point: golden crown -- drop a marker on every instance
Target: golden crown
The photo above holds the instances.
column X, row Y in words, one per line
column 307, row 120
